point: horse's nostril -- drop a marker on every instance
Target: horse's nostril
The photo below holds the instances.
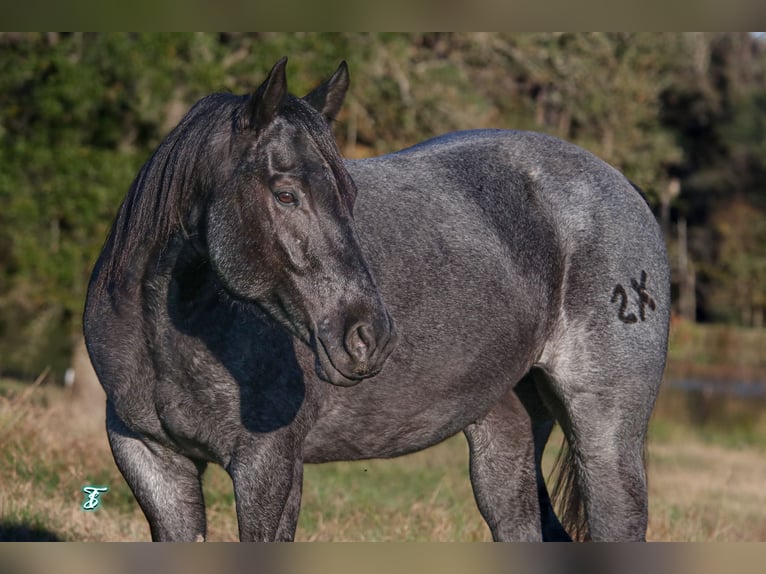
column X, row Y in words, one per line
column 360, row 341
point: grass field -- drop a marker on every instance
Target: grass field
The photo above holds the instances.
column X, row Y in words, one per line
column 706, row 485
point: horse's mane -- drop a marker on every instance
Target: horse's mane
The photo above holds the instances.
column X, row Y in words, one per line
column 162, row 192
column 182, row 169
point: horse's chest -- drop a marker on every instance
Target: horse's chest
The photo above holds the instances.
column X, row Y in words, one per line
column 212, row 393
column 200, row 416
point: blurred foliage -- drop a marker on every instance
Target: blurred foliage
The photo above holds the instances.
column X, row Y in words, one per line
column 80, row 112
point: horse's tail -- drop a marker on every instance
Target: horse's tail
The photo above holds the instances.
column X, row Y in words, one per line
column 566, row 495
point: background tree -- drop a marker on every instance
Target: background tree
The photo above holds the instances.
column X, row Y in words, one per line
column 682, row 115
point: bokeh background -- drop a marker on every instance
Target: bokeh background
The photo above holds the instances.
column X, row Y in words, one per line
column 683, row 115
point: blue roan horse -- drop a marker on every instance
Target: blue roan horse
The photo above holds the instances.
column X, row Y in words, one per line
column 262, row 303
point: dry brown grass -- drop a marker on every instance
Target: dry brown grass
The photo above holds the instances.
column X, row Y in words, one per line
column 707, row 493
column 50, row 446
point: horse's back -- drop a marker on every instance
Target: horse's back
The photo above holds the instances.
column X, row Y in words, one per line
column 543, row 198
column 507, row 174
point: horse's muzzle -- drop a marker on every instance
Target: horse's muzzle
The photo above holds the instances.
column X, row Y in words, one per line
column 358, row 354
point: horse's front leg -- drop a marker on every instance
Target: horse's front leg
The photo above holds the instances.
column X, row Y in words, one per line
column 166, row 484
column 268, row 480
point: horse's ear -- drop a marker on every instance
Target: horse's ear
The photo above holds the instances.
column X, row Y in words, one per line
column 265, row 102
column 328, row 97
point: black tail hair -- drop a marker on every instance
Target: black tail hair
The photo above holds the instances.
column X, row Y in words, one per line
column 567, row 496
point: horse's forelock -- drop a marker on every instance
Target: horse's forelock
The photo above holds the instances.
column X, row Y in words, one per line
column 316, row 126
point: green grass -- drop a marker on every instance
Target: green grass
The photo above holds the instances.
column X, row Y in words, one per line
column 420, row 497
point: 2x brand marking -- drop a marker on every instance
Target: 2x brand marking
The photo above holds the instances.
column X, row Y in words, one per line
column 644, row 300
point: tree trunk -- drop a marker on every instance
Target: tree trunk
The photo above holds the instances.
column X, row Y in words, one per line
column 687, row 303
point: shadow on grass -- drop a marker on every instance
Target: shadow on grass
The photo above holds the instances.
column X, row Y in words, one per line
column 16, row 532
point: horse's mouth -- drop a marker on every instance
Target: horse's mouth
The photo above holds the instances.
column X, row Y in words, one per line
column 341, row 369
column 333, row 362
column 326, row 369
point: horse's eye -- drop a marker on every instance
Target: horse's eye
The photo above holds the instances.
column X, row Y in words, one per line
column 286, row 198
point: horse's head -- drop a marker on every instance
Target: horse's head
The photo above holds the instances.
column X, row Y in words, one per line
column 280, row 228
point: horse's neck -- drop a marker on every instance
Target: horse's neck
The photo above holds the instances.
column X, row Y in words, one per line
column 163, row 261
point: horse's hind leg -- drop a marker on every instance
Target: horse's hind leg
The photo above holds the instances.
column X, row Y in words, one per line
column 503, row 472
column 603, row 397
column 166, row 484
